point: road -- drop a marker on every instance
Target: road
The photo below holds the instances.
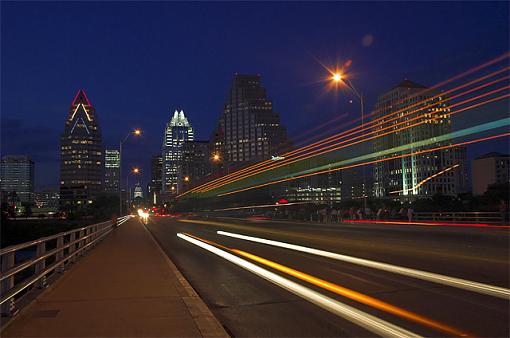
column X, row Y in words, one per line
column 249, row 305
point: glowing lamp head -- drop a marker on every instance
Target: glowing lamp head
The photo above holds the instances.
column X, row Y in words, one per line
column 337, row 77
column 136, row 170
column 137, row 132
column 216, row 157
column 186, row 178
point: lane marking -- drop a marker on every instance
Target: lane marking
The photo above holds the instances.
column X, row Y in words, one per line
column 460, row 283
column 363, row 319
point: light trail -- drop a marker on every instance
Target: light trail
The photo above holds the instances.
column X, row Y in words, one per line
column 365, row 163
column 460, row 283
column 363, row 138
column 261, row 206
column 358, row 317
column 331, row 138
column 354, row 295
column 475, row 225
column 417, row 186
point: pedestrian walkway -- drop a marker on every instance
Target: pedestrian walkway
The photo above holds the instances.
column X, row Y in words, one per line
column 125, row 287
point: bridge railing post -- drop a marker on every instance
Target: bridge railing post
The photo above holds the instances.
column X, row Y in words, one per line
column 39, row 266
column 8, row 308
column 59, row 257
column 72, row 247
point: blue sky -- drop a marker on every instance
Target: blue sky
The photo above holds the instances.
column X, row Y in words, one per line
column 139, row 61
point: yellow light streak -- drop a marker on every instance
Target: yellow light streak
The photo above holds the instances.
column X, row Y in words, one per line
column 426, row 180
column 373, row 324
column 460, row 283
column 354, row 295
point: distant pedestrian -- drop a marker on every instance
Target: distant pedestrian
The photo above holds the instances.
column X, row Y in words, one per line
column 334, row 215
column 379, row 213
column 410, row 214
column 402, row 213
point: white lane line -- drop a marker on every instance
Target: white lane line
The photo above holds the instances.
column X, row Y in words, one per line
column 363, row 319
column 460, row 283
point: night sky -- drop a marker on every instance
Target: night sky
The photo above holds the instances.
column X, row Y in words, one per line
column 139, row 61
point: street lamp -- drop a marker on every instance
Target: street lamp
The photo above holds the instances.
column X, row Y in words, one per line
column 136, row 132
column 337, row 78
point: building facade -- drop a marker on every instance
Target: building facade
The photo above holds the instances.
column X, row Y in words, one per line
column 251, row 129
column 406, row 115
column 47, row 198
column 154, row 186
column 111, row 171
column 195, row 163
column 17, row 178
column 491, row 168
column 81, row 154
column 178, row 130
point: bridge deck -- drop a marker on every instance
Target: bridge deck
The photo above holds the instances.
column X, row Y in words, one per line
column 126, row 286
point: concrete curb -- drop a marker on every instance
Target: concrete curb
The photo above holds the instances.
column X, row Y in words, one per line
column 204, row 319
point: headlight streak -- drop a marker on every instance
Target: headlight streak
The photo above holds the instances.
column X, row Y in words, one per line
column 363, row 319
column 460, row 283
column 468, row 72
column 446, row 224
column 364, row 163
column 350, row 140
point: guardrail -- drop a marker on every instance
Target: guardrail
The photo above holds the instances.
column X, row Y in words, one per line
column 464, row 217
column 52, row 254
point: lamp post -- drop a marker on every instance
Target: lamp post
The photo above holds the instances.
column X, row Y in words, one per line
column 136, row 132
column 337, row 78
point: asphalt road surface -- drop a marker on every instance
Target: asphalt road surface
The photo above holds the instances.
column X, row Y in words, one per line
column 250, row 305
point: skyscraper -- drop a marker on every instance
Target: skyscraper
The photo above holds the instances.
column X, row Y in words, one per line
column 491, row 168
column 17, row 178
column 154, row 186
column 195, row 163
column 177, row 131
column 251, row 129
column 111, row 171
column 81, row 154
column 420, row 175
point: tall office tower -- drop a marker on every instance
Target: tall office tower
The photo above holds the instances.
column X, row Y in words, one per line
column 17, row 178
column 421, row 175
column 111, row 171
column 81, row 154
column 154, row 186
column 177, row 131
column 251, row 129
column 195, row 163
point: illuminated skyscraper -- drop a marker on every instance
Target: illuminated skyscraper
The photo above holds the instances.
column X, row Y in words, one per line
column 177, row 131
column 154, row 186
column 17, row 178
column 81, row 154
column 111, row 170
column 251, row 129
column 421, row 175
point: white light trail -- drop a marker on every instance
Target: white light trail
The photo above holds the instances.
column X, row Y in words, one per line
column 460, row 283
column 363, row 319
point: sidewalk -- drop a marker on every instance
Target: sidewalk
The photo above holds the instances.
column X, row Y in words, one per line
column 124, row 287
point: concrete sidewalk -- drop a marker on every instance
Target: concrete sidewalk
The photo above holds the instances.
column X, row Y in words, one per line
column 124, row 287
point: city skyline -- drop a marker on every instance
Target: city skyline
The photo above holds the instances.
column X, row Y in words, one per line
column 291, row 70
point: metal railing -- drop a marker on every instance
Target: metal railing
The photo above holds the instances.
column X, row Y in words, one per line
column 464, row 217
column 48, row 255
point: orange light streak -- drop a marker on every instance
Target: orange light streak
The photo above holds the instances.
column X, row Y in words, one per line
column 360, row 138
column 354, row 295
column 366, row 126
column 365, row 163
column 320, row 142
column 426, row 180
column 342, row 291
